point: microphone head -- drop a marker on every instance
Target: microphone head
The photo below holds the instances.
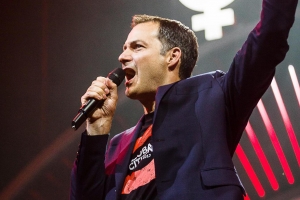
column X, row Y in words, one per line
column 117, row 76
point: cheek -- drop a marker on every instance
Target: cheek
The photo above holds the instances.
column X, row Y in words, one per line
column 150, row 67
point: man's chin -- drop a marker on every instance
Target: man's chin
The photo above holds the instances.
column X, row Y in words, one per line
column 129, row 94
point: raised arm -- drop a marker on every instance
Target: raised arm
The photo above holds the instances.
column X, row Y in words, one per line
column 253, row 67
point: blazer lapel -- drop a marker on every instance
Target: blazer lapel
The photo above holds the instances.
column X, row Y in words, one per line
column 161, row 91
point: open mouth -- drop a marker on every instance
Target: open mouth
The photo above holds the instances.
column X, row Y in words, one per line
column 129, row 73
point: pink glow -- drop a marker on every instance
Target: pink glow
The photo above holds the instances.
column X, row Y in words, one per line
column 275, row 142
column 261, row 156
column 286, row 120
column 250, row 171
column 246, row 197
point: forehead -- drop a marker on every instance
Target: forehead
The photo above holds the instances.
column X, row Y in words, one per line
column 143, row 32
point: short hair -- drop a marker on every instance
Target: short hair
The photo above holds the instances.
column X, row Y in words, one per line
column 172, row 34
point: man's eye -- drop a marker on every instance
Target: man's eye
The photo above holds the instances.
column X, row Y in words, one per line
column 137, row 46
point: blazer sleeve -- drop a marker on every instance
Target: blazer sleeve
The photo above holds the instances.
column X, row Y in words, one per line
column 88, row 174
column 253, row 67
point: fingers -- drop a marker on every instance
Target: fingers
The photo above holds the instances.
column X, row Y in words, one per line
column 112, row 89
column 99, row 89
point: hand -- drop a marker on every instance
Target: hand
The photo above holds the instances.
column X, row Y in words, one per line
column 100, row 121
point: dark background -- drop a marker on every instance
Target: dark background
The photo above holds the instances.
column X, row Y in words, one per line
column 52, row 50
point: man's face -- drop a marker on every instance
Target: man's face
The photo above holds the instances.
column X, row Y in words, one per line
column 146, row 69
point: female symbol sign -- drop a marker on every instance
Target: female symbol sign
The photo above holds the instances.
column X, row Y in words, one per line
column 213, row 18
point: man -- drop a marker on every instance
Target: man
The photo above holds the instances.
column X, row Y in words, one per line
column 183, row 145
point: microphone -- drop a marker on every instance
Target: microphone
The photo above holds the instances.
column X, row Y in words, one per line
column 117, row 76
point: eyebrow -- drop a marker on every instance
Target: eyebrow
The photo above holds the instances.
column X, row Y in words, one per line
column 134, row 42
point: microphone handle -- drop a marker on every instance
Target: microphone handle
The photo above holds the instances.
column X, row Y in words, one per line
column 84, row 112
column 117, row 76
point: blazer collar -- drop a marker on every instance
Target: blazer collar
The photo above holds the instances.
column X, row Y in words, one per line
column 161, row 91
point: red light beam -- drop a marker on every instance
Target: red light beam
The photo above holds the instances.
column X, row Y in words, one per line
column 286, row 120
column 275, row 142
column 250, row 171
column 261, row 156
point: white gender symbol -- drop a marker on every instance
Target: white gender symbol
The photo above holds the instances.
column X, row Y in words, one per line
column 213, row 18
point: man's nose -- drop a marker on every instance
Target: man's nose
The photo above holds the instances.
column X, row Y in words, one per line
column 125, row 56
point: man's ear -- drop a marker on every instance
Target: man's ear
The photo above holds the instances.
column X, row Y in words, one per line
column 174, row 58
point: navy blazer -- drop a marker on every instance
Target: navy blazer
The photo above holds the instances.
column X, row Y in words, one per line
column 197, row 124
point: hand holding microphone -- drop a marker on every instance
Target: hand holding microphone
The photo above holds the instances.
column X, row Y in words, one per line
column 99, row 102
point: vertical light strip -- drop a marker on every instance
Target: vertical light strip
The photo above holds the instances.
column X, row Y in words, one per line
column 275, row 142
column 295, row 82
column 261, row 156
column 286, row 120
column 250, row 171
